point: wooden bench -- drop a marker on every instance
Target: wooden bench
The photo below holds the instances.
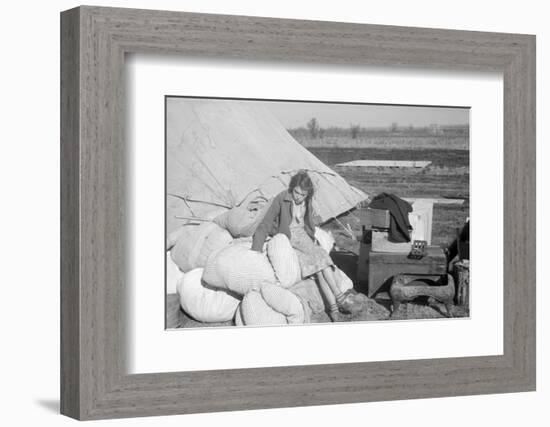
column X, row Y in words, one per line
column 407, row 287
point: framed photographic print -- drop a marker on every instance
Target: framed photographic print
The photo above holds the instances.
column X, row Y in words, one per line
column 275, row 186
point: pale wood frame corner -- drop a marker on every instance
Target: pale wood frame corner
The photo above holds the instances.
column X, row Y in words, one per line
column 94, row 42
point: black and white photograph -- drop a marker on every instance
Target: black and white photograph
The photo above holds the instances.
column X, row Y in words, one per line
column 291, row 212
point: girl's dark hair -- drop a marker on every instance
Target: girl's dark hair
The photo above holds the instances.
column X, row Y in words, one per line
column 301, row 179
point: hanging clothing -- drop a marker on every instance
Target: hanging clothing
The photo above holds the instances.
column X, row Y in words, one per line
column 399, row 216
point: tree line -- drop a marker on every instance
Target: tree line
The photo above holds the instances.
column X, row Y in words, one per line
column 314, row 130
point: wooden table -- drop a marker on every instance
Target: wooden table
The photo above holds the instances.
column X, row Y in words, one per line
column 382, row 266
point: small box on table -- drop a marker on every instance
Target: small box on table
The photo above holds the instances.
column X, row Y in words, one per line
column 378, row 218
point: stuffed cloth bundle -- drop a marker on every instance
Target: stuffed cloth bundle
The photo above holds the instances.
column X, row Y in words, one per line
column 325, row 239
column 308, row 292
column 203, row 303
column 275, row 305
column 173, row 275
column 243, row 220
column 284, row 260
column 254, row 311
column 195, row 243
column 271, row 305
column 342, row 280
column 237, row 268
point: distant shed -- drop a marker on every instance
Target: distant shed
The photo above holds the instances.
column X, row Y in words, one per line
column 387, row 163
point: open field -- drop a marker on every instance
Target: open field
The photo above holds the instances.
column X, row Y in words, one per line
column 439, row 157
column 454, row 137
column 402, row 141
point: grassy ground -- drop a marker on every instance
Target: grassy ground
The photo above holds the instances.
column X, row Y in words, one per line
column 386, row 141
column 439, row 157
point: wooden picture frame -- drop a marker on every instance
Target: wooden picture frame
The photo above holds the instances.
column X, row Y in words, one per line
column 94, row 41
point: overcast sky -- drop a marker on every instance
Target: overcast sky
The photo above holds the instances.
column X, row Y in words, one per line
column 297, row 114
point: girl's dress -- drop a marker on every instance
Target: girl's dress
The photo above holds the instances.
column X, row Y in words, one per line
column 312, row 257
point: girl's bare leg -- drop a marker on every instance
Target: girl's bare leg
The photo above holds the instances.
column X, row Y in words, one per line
column 329, row 277
column 342, row 301
column 325, row 290
column 333, row 312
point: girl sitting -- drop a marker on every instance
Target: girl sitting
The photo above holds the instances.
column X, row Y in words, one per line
column 291, row 213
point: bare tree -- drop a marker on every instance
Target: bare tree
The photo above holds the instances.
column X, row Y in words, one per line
column 313, row 128
column 354, row 129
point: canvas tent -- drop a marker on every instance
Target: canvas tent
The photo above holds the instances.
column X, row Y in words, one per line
column 223, row 152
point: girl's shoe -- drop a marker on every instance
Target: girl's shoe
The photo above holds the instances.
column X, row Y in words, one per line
column 346, row 302
column 336, row 316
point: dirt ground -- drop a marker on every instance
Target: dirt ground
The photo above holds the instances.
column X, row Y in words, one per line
column 374, row 310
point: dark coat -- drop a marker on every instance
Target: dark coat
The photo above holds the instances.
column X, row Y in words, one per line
column 399, row 216
column 278, row 218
